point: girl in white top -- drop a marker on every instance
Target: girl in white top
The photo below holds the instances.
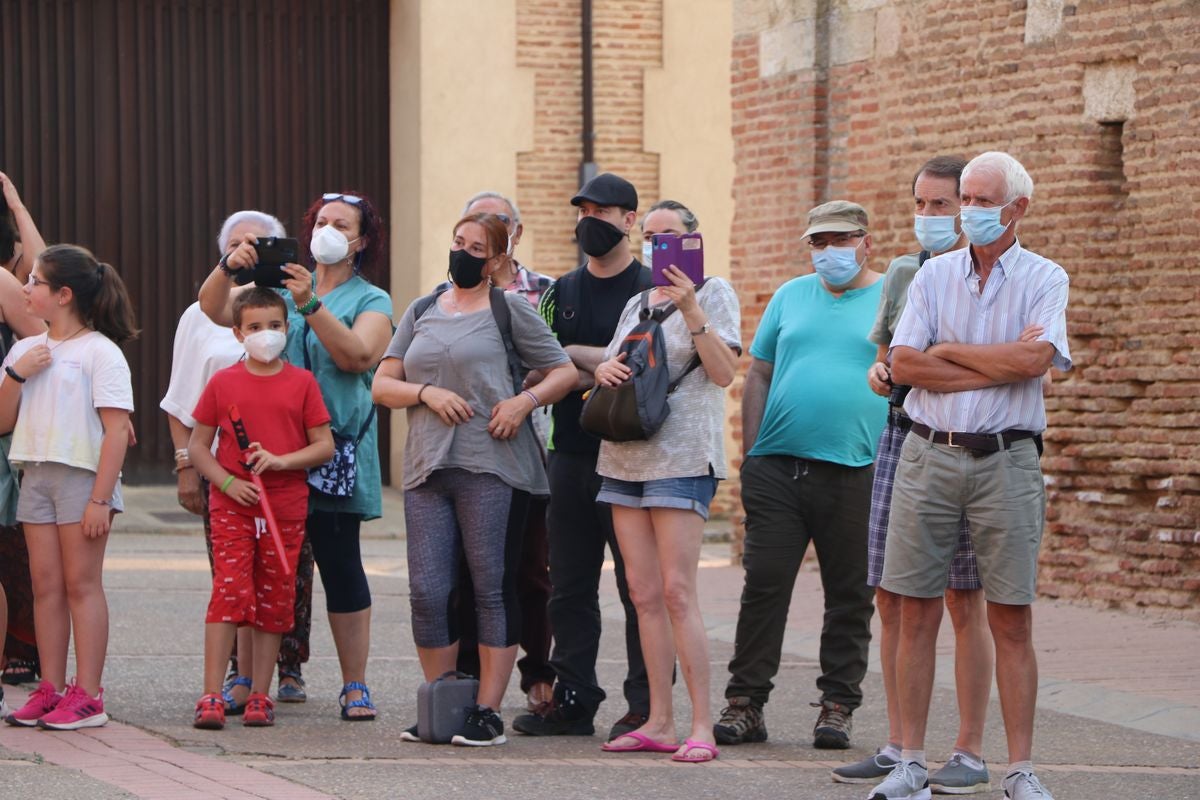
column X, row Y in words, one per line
column 66, row 397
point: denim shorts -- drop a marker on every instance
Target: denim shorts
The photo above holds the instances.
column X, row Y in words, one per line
column 689, row 494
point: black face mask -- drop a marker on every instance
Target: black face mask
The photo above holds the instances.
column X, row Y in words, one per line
column 597, row 237
column 466, row 270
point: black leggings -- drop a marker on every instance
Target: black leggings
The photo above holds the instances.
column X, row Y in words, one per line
column 334, row 537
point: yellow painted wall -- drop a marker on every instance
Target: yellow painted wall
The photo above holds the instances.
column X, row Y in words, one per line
column 461, row 110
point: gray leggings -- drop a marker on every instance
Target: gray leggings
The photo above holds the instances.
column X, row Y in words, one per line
column 455, row 512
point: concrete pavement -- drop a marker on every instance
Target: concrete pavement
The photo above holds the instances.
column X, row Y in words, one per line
column 1119, row 712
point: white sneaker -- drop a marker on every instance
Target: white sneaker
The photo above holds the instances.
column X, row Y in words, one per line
column 908, row 781
column 1025, row 786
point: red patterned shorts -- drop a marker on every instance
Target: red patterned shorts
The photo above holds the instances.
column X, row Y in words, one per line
column 249, row 585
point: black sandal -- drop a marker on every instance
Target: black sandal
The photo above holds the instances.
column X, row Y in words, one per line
column 18, row 671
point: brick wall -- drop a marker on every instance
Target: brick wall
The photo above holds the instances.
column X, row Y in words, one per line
column 626, row 39
column 1100, row 103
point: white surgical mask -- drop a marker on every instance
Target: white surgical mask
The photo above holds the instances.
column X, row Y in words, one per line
column 265, row 346
column 329, row 245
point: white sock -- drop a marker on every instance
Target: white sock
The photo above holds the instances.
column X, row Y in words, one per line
column 891, row 751
column 970, row 759
column 1020, row 766
column 911, row 756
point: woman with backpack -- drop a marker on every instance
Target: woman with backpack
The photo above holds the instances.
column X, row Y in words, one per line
column 471, row 460
column 660, row 489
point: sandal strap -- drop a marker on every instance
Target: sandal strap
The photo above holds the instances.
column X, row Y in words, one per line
column 362, row 702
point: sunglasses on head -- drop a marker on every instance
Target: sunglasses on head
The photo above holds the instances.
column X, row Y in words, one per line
column 330, row 197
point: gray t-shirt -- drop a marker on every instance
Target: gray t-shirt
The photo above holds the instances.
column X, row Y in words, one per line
column 465, row 354
column 692, row 440
column 895, row 293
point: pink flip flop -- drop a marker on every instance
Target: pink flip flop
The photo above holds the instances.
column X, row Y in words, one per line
column 707, row 752
column 644, row 744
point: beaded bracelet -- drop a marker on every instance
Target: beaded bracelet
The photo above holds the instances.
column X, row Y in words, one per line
column 225, row 485
column 312, row 305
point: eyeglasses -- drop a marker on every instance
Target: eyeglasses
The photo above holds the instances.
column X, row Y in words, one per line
column 330, row 197
column 33, row 281
column 842, row 240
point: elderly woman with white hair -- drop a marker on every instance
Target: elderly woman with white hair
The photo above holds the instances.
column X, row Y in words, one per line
column 201, row 348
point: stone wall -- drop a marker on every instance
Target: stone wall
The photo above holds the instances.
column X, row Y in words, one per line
column 1101, row 102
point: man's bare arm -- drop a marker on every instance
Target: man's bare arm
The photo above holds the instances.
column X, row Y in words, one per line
column 754, row 400
column 911, row 367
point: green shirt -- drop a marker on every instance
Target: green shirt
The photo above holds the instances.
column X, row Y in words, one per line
column 347, row 395
column 895, row 293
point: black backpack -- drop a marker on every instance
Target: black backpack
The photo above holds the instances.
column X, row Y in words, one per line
column 637, row 408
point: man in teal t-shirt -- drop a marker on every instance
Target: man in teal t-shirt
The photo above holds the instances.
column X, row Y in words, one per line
column 809, row 428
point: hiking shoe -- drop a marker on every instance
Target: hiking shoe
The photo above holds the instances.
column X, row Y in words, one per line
column 741, row 723
column 908, row 780
column 958, row 777
column 483, row 728
column 832, row 731
column 627, row 724
column 565, row 716
column 1025, row 786
column 410, row 735
column 871, row 768
column 210, row 713
column 41, row 702
column 260, row 711
column 76, row 710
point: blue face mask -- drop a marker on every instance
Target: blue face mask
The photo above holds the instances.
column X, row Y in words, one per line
column 982, row 225
column 936, row 234
column 647, row 253
column 837, row 265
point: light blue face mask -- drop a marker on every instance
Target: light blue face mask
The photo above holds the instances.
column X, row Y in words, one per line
column 837, row 265
column 647, row 253
column 982, row 225
column 936, row 234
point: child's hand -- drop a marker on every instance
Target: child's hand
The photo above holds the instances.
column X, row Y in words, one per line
column 243, row 492
column 96, row 520
column 261, row 460
column 33, row 362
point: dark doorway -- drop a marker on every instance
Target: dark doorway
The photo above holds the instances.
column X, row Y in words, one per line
column 134, row 127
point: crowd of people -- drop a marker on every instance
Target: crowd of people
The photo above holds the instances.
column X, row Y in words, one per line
column 890, row 419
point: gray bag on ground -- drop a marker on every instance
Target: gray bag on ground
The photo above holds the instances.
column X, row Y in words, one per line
column 442, row 706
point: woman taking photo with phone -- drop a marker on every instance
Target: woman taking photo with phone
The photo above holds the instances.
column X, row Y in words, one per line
column 339, row 325
column 472, row 460
column 660, row 489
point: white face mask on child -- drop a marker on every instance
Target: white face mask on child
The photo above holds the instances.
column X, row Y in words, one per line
column 265, row 346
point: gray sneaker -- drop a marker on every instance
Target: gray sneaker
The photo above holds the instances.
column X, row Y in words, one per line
column 1025, row 786
column 959, row 778
column 871, row 768
column 908, row 781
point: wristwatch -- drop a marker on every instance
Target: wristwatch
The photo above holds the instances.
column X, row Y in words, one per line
column 705, row 328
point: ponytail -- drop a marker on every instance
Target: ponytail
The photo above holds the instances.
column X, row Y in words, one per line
column 100, row 297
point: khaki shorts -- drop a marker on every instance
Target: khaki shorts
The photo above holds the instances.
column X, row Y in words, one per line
column 1004, row 499
column 56, row 494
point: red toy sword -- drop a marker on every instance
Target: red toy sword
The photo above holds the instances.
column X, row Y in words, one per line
column 239, row 430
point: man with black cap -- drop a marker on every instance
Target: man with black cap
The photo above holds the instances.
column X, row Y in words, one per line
column 583, row 308
column 809, row 428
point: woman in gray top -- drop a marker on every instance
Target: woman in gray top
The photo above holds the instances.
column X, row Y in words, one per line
column 660, row 490
column 471, row 460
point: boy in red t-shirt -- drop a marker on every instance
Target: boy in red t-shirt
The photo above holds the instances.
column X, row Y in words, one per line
column 289, row 427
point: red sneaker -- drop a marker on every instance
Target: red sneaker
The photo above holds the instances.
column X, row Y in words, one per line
column 260, row 711
column 210, row 712
column 40, row 703
column 76, row 710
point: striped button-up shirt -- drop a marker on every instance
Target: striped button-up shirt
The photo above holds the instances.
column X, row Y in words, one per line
column 945, row 304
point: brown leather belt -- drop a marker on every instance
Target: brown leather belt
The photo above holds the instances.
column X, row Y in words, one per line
column 978, row 442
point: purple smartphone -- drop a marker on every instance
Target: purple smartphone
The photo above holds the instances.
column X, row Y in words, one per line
column 684, row 250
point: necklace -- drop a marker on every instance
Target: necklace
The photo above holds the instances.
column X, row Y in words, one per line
column 64, row 341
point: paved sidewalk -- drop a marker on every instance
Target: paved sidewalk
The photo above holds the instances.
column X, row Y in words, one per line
column 1119, row 712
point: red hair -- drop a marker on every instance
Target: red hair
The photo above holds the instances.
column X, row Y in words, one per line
column 370, row 227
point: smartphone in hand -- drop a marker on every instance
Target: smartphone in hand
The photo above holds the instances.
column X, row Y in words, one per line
column 684, row 250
